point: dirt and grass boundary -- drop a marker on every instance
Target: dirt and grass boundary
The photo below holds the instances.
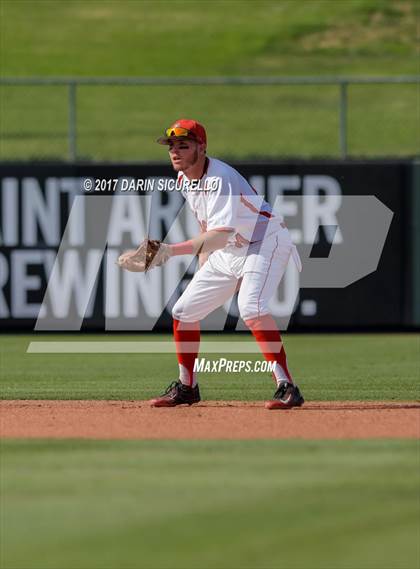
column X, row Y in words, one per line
column 208, row 420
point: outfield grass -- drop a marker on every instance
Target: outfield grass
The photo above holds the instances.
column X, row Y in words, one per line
column 265, row 504
column 202, row 38
column 327, row 367
column 211, row 504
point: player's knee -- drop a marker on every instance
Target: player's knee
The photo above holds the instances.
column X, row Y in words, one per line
column 177, row 310
column 252, row 306
column 181, row 312
column 248, row 310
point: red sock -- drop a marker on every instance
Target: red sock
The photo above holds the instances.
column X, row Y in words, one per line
column 187, row 342
column 268, row 337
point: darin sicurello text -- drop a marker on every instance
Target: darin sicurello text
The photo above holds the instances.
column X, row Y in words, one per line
column 168, row 184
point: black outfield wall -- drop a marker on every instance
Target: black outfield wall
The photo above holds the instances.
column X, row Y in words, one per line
column 36, row 201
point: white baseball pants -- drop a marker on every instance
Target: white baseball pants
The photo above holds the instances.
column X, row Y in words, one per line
column 261, row 267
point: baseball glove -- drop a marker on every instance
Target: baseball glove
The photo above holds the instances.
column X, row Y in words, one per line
column 150, row 254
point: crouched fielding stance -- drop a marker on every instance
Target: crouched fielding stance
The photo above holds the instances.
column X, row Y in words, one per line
column 242, row 243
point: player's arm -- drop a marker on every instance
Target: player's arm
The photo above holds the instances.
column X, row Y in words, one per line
column 204, row 243
column 152, row 253
column 202, row 258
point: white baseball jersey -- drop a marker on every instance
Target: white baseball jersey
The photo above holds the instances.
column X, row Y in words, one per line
column 225, row 200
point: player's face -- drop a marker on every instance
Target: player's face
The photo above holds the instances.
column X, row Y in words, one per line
column 184, row 154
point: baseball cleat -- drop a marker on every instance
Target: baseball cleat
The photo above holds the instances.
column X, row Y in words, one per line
column 286, row 397
column 177, row 394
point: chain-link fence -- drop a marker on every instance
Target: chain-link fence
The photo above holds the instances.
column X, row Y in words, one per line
column 118, row 119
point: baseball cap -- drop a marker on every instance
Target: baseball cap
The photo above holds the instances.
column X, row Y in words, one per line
column 186, row 128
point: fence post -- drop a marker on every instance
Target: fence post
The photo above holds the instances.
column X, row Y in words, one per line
column 343, row 119
column 415, row 241
column 72, row 122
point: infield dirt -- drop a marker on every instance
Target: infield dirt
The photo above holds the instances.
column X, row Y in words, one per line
column 208, row 420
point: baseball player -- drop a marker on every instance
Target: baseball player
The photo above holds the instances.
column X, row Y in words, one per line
column 242, row 243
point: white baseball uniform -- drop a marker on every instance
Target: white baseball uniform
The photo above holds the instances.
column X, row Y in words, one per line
column 257, row 251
